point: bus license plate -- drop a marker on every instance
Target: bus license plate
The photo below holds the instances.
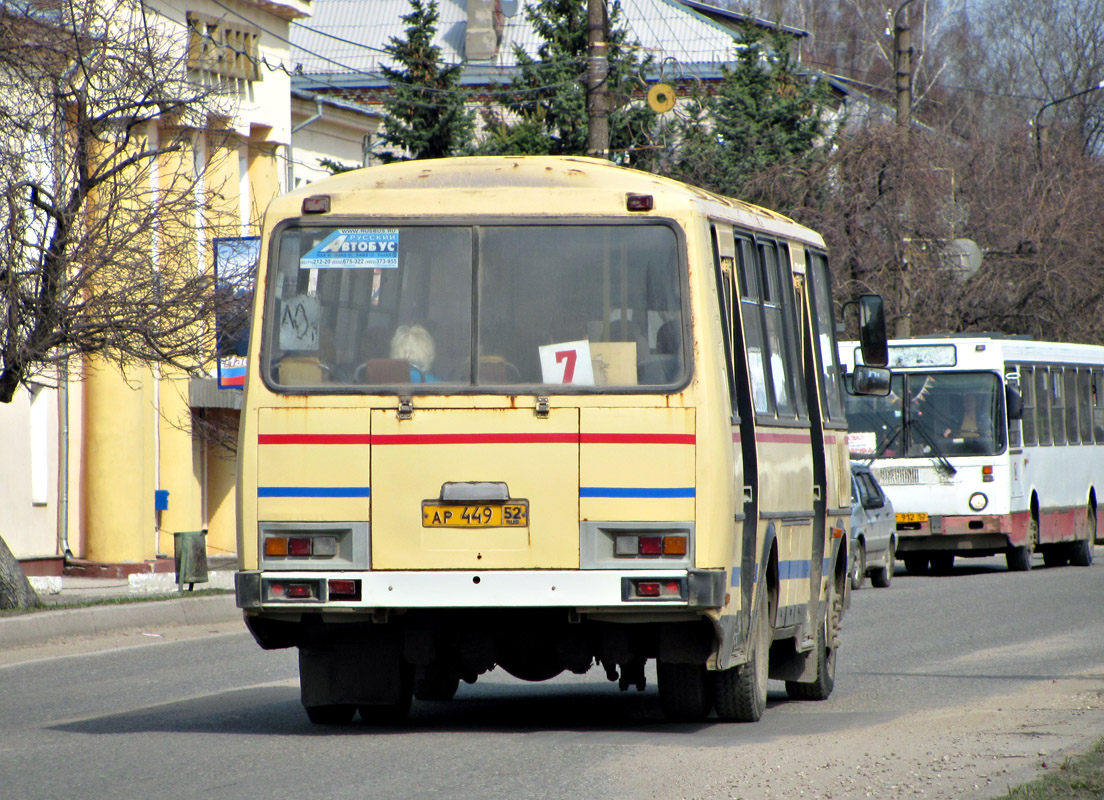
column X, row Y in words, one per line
column 512, row 514
column 918, row 516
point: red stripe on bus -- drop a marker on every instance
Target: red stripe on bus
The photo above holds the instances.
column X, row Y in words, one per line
column 788, row 438
column 314, row 438
column 637, row 438
column 476, row 438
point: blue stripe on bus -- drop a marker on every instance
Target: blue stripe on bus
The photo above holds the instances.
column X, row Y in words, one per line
column 636, row 491
column 793, row 570
column 314, row 491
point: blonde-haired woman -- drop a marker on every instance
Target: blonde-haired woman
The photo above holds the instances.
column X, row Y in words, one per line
column 414, row 343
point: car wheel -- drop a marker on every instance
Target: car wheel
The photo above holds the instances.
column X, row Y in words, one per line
column 858, row 566
column 882, row 577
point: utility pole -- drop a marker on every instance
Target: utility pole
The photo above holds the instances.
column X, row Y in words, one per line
column 597, row 87
column 902, row 58
column 902, row 38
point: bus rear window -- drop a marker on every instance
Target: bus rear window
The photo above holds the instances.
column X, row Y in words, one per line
column 585, row 307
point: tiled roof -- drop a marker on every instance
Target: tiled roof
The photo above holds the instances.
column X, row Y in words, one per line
column 344, row 39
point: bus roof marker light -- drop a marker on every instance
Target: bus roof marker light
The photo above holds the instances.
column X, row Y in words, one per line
column 316, row 204
column 639, row 202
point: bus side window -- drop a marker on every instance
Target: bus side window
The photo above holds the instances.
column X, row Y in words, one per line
column 724, row 262
column 1042, row 404
column 792, row 310
column 1027, row 386
column 1057, row 407
column 781, row 370
column 757, row 359
column 1073, row 429
column 1098, row 405
column 1084, row 404
column 816, row 268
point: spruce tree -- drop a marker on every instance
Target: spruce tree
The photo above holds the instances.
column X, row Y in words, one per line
column 425, row 111
column 765, row 113
column 548, row 103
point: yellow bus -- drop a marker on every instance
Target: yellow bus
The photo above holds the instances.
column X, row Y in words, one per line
column 543, row 414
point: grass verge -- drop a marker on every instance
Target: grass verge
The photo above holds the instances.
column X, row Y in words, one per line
column 1076, row 778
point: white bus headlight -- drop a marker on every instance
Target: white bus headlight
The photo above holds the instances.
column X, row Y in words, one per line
column 978, row 501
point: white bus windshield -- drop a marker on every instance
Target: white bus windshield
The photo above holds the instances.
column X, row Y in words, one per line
column 946, row 414
column 578, row 306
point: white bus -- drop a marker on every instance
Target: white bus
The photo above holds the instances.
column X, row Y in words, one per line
column 986, row 445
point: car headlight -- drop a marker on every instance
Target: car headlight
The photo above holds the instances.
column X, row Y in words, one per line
column 978, row 501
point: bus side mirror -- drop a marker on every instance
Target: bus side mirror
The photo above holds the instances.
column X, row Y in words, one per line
column 1013, row 402
column 869, row 380
column 872, row 330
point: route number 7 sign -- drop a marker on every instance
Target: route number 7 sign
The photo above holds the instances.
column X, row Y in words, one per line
column 567, row 362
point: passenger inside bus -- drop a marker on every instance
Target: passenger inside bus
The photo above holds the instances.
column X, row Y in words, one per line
column 415, row 344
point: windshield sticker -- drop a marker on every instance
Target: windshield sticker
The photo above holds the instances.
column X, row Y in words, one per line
column 356, row 248
column 299, row 324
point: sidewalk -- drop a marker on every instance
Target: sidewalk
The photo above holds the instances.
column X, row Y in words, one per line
column 79, row 610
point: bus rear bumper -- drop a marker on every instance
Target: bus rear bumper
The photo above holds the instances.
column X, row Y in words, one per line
column 581, row 590
column 974, row 535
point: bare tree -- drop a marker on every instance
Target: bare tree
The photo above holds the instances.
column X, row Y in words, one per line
column 1051, row 54
column 890, row 202
column 109, row 141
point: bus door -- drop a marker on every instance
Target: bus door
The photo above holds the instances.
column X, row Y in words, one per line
column 784, row 486
column 1017, row 431
column 742, row 430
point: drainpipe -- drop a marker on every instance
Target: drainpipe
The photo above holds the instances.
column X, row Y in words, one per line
column 290, row 157
column 63, row 462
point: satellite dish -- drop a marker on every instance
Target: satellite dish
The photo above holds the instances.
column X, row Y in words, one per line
column 964, row 258
column 509, row 8
column 661, row 97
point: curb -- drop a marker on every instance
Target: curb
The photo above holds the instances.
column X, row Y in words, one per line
column 42, row 626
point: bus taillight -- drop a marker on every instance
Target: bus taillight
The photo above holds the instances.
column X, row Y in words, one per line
column 656, row 589
column 344, row 588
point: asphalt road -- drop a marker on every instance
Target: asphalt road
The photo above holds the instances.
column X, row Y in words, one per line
column 214, row 716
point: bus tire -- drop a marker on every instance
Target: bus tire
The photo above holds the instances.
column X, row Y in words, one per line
column 331, row 715
column 826, row 643
column 432, row 682
column 396, row 711
column 941, row 563
column 883, row 576
column 858, row 567
column 740, row 693
column 684, row 691
column 1056, row 557
column 1019, row 558
column 916, row 565
column 1081, row 553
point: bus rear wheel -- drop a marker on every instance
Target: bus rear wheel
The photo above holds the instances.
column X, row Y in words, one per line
column 331, row 715
column 942, row 563
column 740, row 693
column 826, row 644
column 684, row 691
column 1081, row 553
column 916, row 565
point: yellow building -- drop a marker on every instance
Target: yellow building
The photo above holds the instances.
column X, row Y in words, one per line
column 120, row 462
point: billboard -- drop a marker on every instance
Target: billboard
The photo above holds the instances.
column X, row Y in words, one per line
column 235, row 275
